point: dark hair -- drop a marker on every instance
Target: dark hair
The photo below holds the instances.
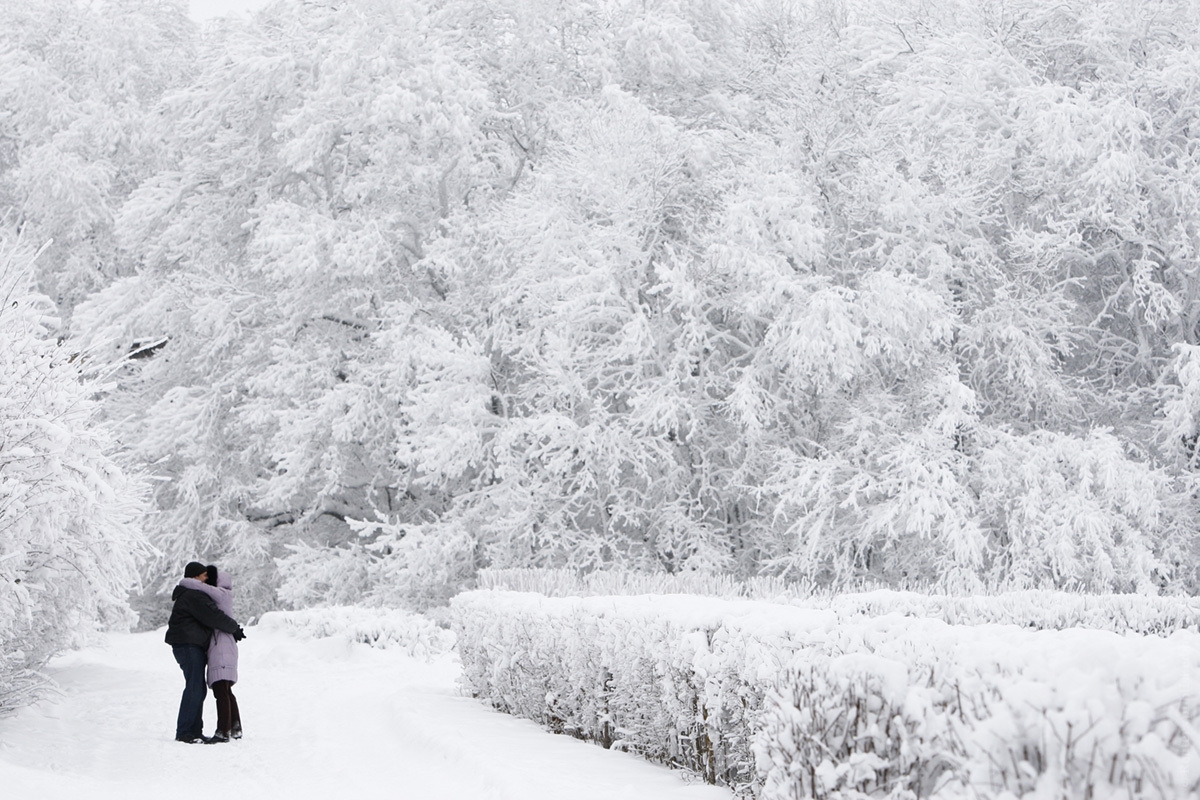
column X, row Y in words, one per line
column 193, row 569
column 211, row 569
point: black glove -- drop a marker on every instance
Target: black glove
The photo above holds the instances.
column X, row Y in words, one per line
column 241, row 634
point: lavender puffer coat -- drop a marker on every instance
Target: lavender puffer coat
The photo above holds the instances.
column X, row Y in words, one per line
column 222, row 649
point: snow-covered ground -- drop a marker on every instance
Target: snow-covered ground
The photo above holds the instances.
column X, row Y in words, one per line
column 323, row 717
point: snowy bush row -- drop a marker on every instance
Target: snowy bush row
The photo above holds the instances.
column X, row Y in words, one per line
column 379, row 627
column 573, row 583
column 1040, row 609
column 787, row 703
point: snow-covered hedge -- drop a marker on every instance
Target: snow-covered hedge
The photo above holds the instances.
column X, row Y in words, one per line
column 664, row 680
column 792, row 703
column 378, row 627
column 573, row 583
column 1039, row 609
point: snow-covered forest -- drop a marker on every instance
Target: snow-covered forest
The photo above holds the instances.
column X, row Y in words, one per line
column 376, row 301
column 361, row 296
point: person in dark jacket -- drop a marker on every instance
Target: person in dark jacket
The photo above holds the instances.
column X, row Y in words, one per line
column 193, row 619
column 222, row 654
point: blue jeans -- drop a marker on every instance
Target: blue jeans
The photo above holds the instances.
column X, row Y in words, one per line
column 192, row 659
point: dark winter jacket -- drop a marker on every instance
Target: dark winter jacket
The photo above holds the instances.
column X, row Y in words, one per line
column 194, row 618
column 222, row 649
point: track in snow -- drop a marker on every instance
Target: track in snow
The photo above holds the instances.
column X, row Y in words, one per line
column 323, row 719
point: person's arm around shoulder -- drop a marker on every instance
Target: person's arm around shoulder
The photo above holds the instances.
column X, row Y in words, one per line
column 206, row 611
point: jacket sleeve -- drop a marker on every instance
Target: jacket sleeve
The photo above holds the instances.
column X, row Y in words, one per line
column 205, row 610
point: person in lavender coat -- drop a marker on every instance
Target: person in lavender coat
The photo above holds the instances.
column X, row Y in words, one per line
column 194, row 616
column 222, row 656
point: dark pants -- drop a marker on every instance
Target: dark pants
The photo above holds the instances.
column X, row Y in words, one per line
column 192, row 660
column 228, row 718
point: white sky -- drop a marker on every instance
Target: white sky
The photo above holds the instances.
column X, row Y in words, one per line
column 207, row 9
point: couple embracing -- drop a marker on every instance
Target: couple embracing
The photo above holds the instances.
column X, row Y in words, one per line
column 202, row 633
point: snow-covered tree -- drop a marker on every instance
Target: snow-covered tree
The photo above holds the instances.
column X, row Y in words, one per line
column 318, row 150
column 792, row 287
column 70, row 535
column 78, row 81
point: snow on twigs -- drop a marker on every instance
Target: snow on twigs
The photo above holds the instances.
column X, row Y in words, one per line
column 414, row 634
column 785, row 703
column 70, row 539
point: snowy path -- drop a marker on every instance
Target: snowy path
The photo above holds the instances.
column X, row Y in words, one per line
column 323, row 719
